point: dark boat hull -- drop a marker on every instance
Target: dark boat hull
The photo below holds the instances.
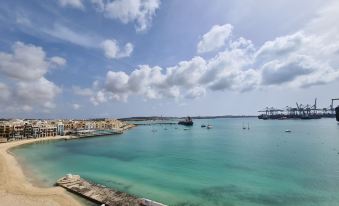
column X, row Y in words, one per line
column 185, row 123
column 337, row 113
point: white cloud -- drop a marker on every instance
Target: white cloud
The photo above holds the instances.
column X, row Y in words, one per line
column 76, row 106
column 111, row 47
column 57, row 61
column 215, row 38
column 307, row 57
column 66, row 34
column 99, row 97
column 196, row 92
column 28, row 62
column 27, row 95
column 41, row 91
column 78, row 4
column 139, row 11
column 113, row 51
column 82, row 92
column 27, row 65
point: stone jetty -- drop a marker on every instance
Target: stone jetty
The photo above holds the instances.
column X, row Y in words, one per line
column 97, row 193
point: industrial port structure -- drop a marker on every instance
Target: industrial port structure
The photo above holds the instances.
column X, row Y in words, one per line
column 299, row 112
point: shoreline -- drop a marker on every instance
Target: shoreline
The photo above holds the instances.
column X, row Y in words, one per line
column 16, row 189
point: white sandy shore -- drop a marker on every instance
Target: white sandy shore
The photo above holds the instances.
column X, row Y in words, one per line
column 16, row 190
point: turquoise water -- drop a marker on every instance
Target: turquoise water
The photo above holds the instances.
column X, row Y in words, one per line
column 225, row 165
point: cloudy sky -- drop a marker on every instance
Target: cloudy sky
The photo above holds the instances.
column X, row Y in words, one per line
column 119, row 58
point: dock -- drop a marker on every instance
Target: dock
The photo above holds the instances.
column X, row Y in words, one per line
column 100, row 194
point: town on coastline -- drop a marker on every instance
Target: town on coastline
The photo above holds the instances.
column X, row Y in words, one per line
column 17, row 129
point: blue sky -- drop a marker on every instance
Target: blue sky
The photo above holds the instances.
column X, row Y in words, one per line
column 105, row 58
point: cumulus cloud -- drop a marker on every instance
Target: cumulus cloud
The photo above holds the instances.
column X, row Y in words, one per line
column 78, row 4
column 27, row 66
column 307, row 57
column 215, row 38
column 27, row 62
column 113, row 51
column 139, row 11
column 188, row 79
column 41, row 91
column 99, row 97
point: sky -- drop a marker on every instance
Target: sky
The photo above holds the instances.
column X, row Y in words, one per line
column 123, row 58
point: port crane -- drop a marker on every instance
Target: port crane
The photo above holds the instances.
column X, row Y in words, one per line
column 308, row 111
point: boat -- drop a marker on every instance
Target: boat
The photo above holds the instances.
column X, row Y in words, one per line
column 209, row 126
column 248, row 126
column 243, row 126
column 337, row 113
column 203, row 125
column 187, row 122
column 288, row 130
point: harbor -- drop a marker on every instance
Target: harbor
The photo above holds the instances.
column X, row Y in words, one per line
column 300, row 111
column 168, row 166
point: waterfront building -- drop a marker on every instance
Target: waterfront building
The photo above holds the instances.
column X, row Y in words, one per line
column 60, row 129
column 35, row 131
column 6, row 130
column 24, row 129
column 90, row 125
column 28, row 130
column 47, row 131
column 69, row 125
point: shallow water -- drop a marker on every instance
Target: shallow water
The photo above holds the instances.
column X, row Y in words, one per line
column 225, row 165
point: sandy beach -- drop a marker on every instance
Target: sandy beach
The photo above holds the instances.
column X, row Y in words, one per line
column 15, row 189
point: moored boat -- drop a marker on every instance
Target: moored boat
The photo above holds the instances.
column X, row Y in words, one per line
column 337, row 113
column 187, row 122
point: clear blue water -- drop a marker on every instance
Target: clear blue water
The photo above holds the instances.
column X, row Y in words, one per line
column 222, row 166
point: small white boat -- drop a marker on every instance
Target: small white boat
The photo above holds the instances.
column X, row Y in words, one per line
column 288, row 130
column 209, row 127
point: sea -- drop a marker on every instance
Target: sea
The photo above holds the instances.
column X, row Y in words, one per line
column 240, row 161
